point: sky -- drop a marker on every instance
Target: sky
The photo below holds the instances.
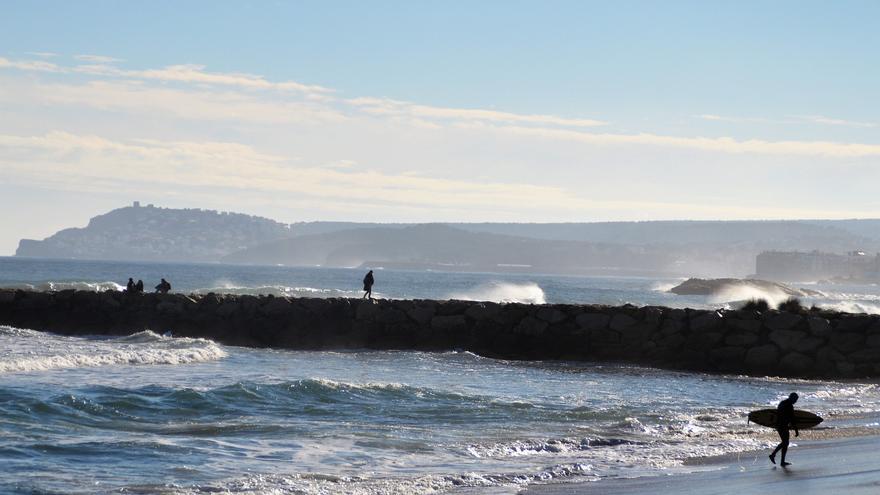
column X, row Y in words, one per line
column 416, row 111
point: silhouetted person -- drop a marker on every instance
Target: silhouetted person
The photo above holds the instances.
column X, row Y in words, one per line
column 784, row 420
column 139, row 287
column 368, row 285
column 163, row 287
column 130, row 287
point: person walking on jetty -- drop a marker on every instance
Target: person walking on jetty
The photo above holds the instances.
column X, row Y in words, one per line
column 784, row 421
column 368, row 285
column 163, row 287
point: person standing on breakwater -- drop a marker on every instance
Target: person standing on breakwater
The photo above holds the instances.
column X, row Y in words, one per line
column 130, row 287
column 784, row 420
column 163, row 287
column 368, row 285
column 139, row 287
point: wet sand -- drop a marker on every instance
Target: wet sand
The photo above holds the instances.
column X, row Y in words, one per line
column 844, row 465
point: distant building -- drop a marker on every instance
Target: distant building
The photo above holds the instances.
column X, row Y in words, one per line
column 136, row 204
column 796, row 266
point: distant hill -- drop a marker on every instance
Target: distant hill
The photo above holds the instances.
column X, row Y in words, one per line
column 148, row 233
column 678, row 248
column 442, row 247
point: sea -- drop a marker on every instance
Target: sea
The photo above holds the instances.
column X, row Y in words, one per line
column 149, row 413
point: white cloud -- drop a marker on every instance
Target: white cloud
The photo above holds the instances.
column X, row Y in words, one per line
column 819, row 119
column 719, row 145
column 29, row 65
column 43, row 54
column 98, row 59
column 384, row 106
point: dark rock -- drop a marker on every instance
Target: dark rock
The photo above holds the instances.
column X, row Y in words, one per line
column 741, row 339
column 706, row 321
column 367, row 309
column 530, row 326
column 753, row 326
column 873, row 340
column 621, row 321
column 798, row 364
column 550, row 315
column 865, row 356
column 847, row 342
column 421, row 314
column 853, row 323
column 782, row 321
column 449, row 323
column 809, row 344
column 593, row 321
column 762, row 358
column 670, row 326
column 786, row 339
column 483, row 311
column 820, row 327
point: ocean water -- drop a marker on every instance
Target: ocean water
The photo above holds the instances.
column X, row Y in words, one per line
column 153, row 414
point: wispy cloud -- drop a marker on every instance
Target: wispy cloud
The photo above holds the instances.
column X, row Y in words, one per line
column 819, row 119
column 98, row 59
column 720, row 145
column 384, row 106
column 30, row 65
column 792, row 119
column 43, row 54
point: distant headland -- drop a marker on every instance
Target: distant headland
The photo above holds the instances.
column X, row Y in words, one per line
column 655, row 249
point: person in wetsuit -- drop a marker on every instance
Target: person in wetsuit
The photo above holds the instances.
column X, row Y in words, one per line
column 784, row 421
column 129, row 287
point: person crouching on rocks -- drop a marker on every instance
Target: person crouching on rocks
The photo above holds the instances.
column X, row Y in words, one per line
column 368, row 285
column 163, row 287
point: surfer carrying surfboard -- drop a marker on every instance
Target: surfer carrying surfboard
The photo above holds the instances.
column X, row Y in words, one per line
column 784, row 421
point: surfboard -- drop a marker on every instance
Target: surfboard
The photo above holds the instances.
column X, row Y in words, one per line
column 802, row 419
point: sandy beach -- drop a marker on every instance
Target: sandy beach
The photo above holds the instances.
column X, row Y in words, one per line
column 844, row 465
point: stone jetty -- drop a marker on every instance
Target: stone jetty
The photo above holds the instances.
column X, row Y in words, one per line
column 819, row 344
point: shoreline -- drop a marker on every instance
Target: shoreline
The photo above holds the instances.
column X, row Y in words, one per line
column 847, row 462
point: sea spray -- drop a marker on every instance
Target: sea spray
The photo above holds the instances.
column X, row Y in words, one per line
column 503, row 292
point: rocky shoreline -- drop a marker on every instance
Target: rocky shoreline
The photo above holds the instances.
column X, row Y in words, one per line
column 816, row 344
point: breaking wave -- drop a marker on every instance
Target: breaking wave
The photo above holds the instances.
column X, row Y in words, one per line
column 28, row 350
column 503, row 292
column 75, row 285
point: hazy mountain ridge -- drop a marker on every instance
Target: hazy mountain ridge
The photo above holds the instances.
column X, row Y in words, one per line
column 150, row 233
column 680, row 248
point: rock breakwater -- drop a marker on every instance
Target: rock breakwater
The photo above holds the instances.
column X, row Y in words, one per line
column 805, row 344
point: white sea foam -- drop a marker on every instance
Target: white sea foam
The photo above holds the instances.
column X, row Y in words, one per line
column 503, row 292
column 224, row 287
column 731, row 294
column 26, row 350
column 66, row 285
column 852, row 307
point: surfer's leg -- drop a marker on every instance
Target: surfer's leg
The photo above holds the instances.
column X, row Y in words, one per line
column 785, row 435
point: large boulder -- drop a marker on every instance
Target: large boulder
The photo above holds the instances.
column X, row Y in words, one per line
column 795, row 363
column 787, row 339
column 762, row 359
column 592, row 321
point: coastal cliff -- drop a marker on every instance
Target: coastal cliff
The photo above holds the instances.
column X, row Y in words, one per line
column 806, row 344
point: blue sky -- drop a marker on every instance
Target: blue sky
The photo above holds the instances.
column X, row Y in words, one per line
column 532, row 111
